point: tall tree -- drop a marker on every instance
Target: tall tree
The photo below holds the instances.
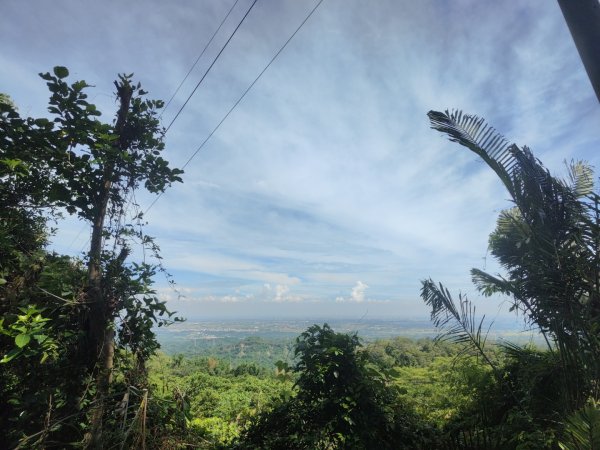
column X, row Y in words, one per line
column 77, row 163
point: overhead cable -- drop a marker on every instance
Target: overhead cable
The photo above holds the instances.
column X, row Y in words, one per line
column 189, row 160
column 198, row 58
column 211, row 66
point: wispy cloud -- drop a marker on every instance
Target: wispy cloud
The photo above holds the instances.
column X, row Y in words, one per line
column 327, row 172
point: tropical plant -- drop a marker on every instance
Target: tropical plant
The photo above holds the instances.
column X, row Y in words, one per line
column 548, row 244
column 582, row 431
column 342, row 401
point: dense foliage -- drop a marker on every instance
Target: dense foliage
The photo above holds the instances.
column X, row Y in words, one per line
column 368, row 403
column 74, row 333
column 341, row 401
column 393, row 393
column 548, row 244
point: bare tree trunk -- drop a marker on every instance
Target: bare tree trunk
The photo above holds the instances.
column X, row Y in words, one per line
column 100, row 334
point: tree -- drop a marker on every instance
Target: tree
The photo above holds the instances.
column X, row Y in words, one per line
column 549, row 247
column 85, row 167
column 342, row 401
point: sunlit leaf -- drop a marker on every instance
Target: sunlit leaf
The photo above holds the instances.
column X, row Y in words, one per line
column 22, row 340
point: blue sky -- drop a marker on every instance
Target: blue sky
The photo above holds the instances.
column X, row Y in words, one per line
column 324, row 193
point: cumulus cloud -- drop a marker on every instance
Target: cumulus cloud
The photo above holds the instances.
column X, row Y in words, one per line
column 357, row 295
column 358, row 292
column 170, row 293
column 268, row 293
column 280, row 292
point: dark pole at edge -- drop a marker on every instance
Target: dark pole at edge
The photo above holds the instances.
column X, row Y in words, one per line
column 583, row 20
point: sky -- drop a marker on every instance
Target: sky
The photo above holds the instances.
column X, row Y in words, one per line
column 324, row 193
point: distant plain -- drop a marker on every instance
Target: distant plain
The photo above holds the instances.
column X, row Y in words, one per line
column 266, row 341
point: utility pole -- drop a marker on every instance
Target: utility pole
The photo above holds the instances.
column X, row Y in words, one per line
column 583, row 20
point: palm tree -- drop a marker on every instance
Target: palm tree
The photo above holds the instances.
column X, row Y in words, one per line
column 548, row 245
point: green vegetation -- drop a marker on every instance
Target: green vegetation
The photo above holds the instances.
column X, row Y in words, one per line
column 341, row 401
column 78, row 353
column 549, row 247
column 337, row 394
column 214, row 400
column 236, row 350
column 75, row 333
column 393, row 393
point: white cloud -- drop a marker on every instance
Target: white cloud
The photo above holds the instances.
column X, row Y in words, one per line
column 279, row 294
column 358, row 292
column 327, row 172
column 272, row 277
column 357, row 295
column 218, row 299
column 224, row 266
column 232, row 299
column 178, row 293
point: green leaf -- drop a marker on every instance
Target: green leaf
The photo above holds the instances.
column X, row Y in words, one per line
column 42, row 122
column 40, row 337
column 10, row 355
column 61, row 72
column 22, row 340
column 11, row 163
column 45, row 76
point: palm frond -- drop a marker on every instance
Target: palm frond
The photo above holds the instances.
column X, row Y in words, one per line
column 582, row 430
column 489, row 285
column 457, row 323
column 483, row 140
column 582, row 178
column 510, row 223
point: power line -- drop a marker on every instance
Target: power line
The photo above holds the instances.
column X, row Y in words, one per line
column 238, row 101
column 177, row 90
column 76, row 238
column 198, row 58
column 241, row 98
column 211, row 65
